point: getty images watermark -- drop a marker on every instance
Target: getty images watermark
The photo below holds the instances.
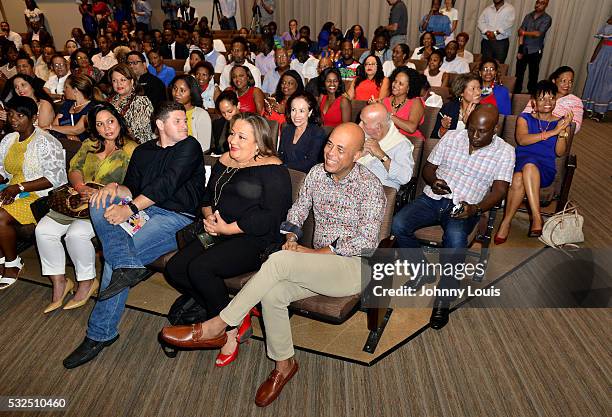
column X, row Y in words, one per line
column 500, row 277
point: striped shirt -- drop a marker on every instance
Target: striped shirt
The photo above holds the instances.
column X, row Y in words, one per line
column 470, row 176
column 347, row 213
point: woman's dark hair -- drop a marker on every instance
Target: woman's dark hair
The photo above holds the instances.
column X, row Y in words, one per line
column 439, row 54
column 23, row 105
column 194, row 88
column 463, row 34
column 380, row 34
column 561, row 70
column 39, row 93
column 263, row 134
column 251, row 80
column 314, row 118
column 423, row 37
column 199, row 53
column 414, row 80
column 31, row 4
column 327, row 27
column 350, row 34
column 405, row 50
column 488, row 60
column 227, row 95
column 544, row 87
column 461, row 82
column 124, row 132
column 74, row 62
column 278, row 94
column 361, row 74
column 323, row 77
column 203, row 64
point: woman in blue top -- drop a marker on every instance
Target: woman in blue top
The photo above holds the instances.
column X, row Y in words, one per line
column 326, row 30
column 436, row 23
column 540, row 138
column 302, row 138
column 492, row 91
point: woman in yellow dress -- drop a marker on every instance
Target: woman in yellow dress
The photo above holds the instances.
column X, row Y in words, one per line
column 102, row 159
column 31, row 163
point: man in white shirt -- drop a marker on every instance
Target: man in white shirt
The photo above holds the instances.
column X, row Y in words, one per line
column 453, row 63
column 104, row 60
column 495, row 24
column 264, row 61
column 387, row 153
column 5, row 30
column 240, row 51
column 228, row 10
column 304, row 64
column 211, row 55
column 55, row 84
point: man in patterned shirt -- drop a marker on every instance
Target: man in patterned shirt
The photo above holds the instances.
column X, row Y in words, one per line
column 472, row 167
column 348, row 203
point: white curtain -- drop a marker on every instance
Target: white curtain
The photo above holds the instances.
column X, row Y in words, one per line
column 568, row 42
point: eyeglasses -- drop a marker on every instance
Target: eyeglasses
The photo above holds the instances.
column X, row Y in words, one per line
column 59, row 65
column 133, row 63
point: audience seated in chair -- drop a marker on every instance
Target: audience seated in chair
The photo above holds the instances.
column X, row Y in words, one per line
column 185, row 90
column 400, row 57
column 165, row 179
column 331, row 268
column 302, row 138
column 370, row 82
column 272, row 78
column 31, row 163
column 240, row 223
column 251, row 97
column 449, row 174
column 335, row 107
column 290, row 83
column 467, row 90
column 540, row 137
column 227, row 106
column 387, row 153
column 102, row 159
column 563, row 77
column 240, row 51
column 492, row 91
column 154, row 88
column 405, row 103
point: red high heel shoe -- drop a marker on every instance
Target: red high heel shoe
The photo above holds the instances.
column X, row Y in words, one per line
column 245, row 331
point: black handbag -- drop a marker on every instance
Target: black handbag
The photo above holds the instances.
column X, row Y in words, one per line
column 184, row 311
column 192, row 232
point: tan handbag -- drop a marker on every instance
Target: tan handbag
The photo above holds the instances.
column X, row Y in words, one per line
column 67, row 201
column 563, row 228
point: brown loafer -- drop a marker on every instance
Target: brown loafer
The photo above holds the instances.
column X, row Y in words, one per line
column 272, row 387
column 191, row 337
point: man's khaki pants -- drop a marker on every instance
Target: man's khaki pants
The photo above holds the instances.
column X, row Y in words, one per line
column 286, row 277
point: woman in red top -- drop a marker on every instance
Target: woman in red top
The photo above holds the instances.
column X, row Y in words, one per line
column 289, row 83
column 335, row 107
column 370, row 83
column 405, row 104
column 250, row 97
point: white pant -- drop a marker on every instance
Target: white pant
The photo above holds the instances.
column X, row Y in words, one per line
column 78, row 242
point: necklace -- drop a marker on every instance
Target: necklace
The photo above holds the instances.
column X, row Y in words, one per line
column 540, row 124
column 75, row 106
column 397, row 106
column 219, row 190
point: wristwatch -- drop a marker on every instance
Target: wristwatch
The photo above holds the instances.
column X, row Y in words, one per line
column 384, row 158
column 21, row 187
column 133, row 207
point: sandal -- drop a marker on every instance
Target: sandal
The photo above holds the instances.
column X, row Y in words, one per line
column 6, row 282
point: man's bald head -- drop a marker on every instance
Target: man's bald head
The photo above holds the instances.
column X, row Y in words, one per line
column 481, row 125
column 375, row 121
column 344, row 147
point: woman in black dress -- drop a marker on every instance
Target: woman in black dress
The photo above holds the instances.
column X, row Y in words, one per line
column 247, row 197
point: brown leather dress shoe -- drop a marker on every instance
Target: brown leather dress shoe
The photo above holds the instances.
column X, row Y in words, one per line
column 191, row 337
column 272, row 387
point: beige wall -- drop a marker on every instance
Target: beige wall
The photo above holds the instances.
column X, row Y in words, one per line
column 62, row 15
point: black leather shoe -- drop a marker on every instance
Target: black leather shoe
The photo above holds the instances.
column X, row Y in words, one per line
column 439, row 315
column 421, row 280
column 121, row 279
column 86, row 351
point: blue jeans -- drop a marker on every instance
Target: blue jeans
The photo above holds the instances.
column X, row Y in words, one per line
column 157, row 237
column 424, row 211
